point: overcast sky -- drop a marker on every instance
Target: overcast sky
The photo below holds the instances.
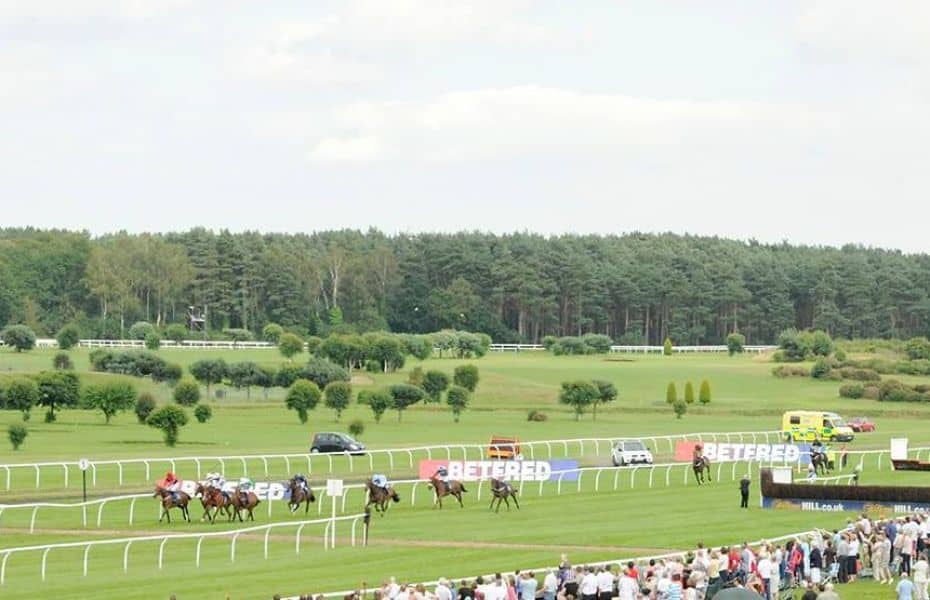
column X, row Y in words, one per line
column 798, row 120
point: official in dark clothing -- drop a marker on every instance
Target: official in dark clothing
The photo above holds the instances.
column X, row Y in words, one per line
column 744, row 492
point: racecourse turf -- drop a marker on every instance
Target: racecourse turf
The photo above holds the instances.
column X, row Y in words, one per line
column 416, row 542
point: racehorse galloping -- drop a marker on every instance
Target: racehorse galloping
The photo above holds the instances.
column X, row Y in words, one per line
column 211, row 497
column 241, row 501
column 380, row 497
column 299, row 495
column 700, row 465
column 171, row 500
column 453, row 488
column 501, row 491
column 820, row 461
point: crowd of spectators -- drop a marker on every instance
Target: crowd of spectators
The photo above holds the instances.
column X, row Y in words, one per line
column 815, row 566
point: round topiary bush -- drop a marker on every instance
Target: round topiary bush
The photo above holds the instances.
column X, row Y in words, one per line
column 187, row 393
column 203, row 413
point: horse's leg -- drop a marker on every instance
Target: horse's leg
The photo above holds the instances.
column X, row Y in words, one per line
column 459, row 497
column 517, row 504
column 708, row 473
column 491, row 506
column 168, row 513
column 162, row 516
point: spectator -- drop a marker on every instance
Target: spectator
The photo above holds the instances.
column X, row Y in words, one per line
column 810, row 592
column 627, row 587
column 443, row 590
column 921, row 576
column 465, row 591
column 828, row 593
column 589, row 585
column 550, row 585
column 905, row 588
column 528, row 586
column 764, row 569
column 674, row 588
column 744, row 491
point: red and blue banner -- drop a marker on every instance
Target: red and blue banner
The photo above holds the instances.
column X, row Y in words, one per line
column 507, row 470
column 729, row 452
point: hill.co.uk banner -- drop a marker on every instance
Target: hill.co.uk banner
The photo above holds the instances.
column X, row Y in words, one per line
column 507, row 470
column 728, row 452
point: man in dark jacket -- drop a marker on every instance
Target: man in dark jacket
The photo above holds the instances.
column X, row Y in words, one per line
column 744, row 492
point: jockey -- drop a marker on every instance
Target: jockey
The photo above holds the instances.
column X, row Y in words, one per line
column 442, row 474
column 172, row 485
column 216, row 481
column 301, row 482
column 698, row 453
column 380, row 480
column 245, row 484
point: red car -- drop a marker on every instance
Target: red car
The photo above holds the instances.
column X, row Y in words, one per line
column 861, row 424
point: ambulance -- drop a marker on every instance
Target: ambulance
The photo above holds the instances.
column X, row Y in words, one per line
column 810, row 425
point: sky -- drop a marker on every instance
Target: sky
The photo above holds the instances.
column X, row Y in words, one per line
column 804, row 121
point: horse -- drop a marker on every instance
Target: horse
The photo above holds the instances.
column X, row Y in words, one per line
column 501, row 491
column 211, row 497
column 168, row 501
column 241, row 501
column 820, row 461
column 453, row 488
column 299, row 495
column 380, row 497
column 701, row 464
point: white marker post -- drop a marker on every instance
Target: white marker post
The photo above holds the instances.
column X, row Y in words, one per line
column 83, row 465
column 334, row 489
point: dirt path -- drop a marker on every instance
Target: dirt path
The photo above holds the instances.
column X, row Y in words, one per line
column 374, row 541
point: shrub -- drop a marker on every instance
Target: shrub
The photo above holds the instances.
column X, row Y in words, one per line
column 337, row 396
column 434, row 384
column 404, row 395
column 578, row 395
column 288, row 374
column 57, row 389
column 680, row 408
column 536, row 416
column 21, row 394
column 859, row 374
column 110, row 397
column 302, row 396
column 238, row 335
column 917, row 348
column 372, row 366
column 140, row 329
column 840, row 355
column 176, row 332
column 791, row 371
column 597, row 343
column 416, row 377
column 871, row 392
column 569, row 345
column 170, row 372
column 272, row 332
column 549, row 341
column 821, row 369
column 289, row 345
column 62, row 362
column 735, row 343
column 169, row 419
column 671, row 394
column 145, row 404
column 893, row 390
column 821, row 343
column 68, row 337
column 377, row 400
column 667, row 347
column 689, row 393
column 203, row 413
column 852, row 390
column 313, row 344
column 704, row 393
column 466, row 376
column 357, row 428
column 322, row 372
column 187, row 393
column 152, row 340
column 19, row 337
column 17, row 435
column 779, row 356
column 209, row 371
column 457, row 399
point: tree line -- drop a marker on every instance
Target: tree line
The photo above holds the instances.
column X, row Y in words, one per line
column 634, row 288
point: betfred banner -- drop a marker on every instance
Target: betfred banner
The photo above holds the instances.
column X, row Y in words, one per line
column 507, row 470
column 729, row 452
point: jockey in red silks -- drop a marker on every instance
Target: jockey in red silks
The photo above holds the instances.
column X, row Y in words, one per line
column 698, row 453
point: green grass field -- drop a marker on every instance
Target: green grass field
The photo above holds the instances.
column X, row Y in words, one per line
column 416, row 542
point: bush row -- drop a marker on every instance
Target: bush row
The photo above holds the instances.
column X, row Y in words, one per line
column 890, row 390
column 591, row 343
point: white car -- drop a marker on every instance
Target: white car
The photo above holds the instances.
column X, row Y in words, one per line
column 630, row 452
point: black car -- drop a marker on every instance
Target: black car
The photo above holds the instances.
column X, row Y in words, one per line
column 335, row 442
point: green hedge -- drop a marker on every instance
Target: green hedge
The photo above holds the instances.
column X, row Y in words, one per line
column 862, row 493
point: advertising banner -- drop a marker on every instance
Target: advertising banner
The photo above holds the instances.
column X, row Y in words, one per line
column 845, row 505
column 728, row 452
column 508, row 470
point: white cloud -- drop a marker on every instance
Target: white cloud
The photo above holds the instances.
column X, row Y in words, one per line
column 71, row 10
column 864, row 29
column 529, row 120
column 367, row 22
column 349, row 149
column 284, row 63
